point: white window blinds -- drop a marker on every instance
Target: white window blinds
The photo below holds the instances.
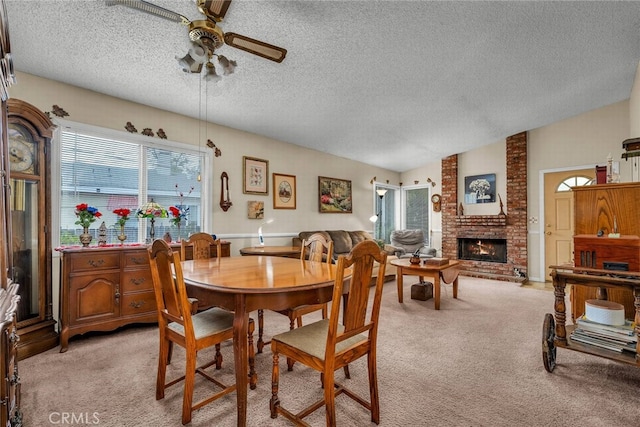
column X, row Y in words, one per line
column 112, row 173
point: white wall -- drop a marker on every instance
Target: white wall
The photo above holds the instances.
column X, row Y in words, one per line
column 634, row 123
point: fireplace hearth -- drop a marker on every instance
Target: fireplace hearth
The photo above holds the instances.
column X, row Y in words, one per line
column 480, row 249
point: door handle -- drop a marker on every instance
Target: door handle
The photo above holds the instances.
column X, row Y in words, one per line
column 548, row 233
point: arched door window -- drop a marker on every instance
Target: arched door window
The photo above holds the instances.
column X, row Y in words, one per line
column 574, row 181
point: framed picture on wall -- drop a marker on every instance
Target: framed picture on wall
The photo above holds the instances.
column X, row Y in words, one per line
column 284, row 191
column 255, row 176
column 480, row 188
column 255, row 209
column 334, row 195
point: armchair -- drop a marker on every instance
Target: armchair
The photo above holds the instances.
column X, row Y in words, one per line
column 405, row 242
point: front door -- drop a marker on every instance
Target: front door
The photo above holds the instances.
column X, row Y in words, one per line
column 558, row 215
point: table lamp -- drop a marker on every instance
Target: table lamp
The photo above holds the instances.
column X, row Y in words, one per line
column 260, row 236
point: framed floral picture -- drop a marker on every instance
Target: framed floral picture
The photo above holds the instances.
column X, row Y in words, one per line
column 255, row 176
column 284, row 191
column 334, row 195
column 255, row 209
column 480, row 188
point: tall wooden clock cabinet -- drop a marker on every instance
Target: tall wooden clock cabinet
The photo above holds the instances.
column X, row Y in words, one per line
column 10, row 412
column 29, row 153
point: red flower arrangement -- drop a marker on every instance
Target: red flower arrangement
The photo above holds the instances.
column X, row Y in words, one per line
column 86, row 215
column 178, row 213
column 123, row 215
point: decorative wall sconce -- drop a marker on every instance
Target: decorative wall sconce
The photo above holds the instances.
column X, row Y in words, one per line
column 372, row 180
column 161, row 134
column 147, row 132
column 225, row 199
column 433, row 183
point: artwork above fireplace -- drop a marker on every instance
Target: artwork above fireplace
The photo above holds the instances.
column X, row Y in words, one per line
column 480, row 249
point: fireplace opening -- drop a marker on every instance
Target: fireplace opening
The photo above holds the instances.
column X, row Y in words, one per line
column 477, row 249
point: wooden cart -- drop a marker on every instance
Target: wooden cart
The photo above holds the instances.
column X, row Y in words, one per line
column 554, row 331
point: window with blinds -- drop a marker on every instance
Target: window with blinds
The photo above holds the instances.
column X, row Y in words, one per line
column 112, row 173
column 416, row 209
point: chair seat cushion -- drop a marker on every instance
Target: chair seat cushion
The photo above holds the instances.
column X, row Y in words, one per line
column 312, row 338
column 208, row 322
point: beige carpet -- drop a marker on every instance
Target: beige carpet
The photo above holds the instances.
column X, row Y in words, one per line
column 476, row 362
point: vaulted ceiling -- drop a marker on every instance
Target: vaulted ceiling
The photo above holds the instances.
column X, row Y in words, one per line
column 395, row 84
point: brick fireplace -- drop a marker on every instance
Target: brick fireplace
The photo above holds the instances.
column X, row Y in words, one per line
column 510, row 227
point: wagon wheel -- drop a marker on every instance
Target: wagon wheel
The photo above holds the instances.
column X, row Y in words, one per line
column 548, row 345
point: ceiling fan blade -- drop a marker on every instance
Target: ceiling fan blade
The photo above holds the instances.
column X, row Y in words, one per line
column 214, row 9
column 265, row 50
column 151, row 9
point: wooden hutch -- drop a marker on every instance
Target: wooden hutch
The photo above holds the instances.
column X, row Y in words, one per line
column 604, row 209
column 10, row 413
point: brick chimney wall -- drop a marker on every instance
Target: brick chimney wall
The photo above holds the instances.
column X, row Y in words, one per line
column 513, row 227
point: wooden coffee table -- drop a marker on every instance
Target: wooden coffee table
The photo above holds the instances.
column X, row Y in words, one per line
column 281, row 251
column 448, row 273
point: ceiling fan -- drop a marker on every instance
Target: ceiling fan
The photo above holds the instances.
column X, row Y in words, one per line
column 207, row 36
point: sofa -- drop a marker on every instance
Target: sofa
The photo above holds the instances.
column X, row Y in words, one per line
column 343, row 242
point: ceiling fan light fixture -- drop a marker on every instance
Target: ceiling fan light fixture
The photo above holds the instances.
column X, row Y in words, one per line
column 199, row 53
column 228, row 67
column 210, row 72
column 206, row 33
column 189, row 64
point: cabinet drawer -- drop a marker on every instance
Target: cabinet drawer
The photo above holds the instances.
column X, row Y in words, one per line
column 92, row 261
column 137, row 280
column 138, row 303
column 139, row 258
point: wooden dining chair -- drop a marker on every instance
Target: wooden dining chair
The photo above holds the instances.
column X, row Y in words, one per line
column 201, row 246
column 316, row 248
column 194, row 332
column 328, row 344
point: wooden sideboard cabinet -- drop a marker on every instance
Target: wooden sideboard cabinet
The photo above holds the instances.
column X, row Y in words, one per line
column 102, row 289
column 10, row 414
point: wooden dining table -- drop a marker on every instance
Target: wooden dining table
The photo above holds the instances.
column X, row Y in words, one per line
column 247, row 283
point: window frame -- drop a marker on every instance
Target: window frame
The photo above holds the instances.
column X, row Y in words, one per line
column 403, row 207
column 70, row 126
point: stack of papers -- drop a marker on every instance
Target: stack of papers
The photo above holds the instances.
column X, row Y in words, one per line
column 617, row 338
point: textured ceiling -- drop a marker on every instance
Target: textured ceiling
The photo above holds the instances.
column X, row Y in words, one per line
column 390, row 83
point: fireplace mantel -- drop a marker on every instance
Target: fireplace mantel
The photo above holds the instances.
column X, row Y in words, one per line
column 481, row 220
